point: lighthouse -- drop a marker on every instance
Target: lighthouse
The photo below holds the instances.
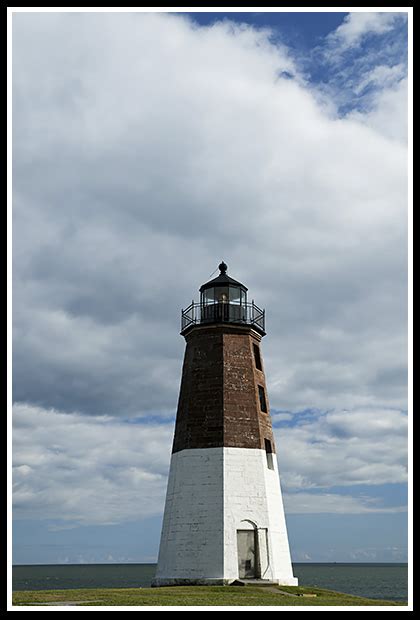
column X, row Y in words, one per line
column 224, row 519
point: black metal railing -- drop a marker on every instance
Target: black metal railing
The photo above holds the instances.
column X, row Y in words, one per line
column 249, row 314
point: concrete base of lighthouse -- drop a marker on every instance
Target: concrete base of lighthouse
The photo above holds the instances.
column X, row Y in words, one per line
column 223, row 520
column 157, row 582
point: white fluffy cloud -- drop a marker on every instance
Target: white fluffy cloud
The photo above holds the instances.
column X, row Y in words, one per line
column 147, row 149
column 388, row 113
column 85, row 470
column 335, row 503
column 357, row 25
column 366, row 61
column 344, row 448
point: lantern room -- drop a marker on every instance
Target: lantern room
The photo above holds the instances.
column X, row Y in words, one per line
column 223, row 300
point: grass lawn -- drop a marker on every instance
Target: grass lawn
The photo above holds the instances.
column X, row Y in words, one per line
column 195, row 595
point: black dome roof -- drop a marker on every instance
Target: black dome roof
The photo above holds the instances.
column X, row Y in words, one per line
column 222, row 280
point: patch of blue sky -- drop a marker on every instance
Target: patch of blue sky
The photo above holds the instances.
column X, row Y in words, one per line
column 57, row 541
column 289, row 419
column 340, row 72
column 386, row 495
column 162, row 418
column 374, row 537
column 294, row 29
column 352, row 75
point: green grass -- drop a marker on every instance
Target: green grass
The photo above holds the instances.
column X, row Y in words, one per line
column 195, row 595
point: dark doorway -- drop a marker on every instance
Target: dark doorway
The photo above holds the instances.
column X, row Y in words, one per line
column 247, row 554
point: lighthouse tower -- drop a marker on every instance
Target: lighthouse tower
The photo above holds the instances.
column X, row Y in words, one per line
column 224, row 518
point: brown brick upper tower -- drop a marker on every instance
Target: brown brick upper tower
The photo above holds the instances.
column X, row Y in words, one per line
column 223, row 397
column 224, row 515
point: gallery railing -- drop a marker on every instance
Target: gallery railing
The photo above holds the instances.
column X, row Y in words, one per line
column 249, row 314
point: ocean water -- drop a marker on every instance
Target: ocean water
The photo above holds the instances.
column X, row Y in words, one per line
column 383, row 581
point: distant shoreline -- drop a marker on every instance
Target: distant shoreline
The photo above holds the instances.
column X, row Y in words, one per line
column 154, row 564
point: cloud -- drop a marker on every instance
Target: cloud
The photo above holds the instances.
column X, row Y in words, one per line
column 335, row 503
column 93, row 470
column 363, row 446
column 357, row 25
column 388, row 113
column 383, row 75
column 150, row 150
column 87, row 470
column 360, row 71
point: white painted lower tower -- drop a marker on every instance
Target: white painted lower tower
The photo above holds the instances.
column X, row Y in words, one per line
column 223, row 509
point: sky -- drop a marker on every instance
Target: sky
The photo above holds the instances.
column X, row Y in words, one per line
column 147, row 147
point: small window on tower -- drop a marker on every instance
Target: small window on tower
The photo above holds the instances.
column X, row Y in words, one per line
column 269, row 454
column 263, row 402
column 257, row 357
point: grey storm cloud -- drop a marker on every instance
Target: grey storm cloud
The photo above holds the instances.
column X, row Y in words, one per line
column 145, row 151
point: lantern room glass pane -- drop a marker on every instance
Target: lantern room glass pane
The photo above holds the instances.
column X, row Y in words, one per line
column 234, row 295
column 208, row 296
